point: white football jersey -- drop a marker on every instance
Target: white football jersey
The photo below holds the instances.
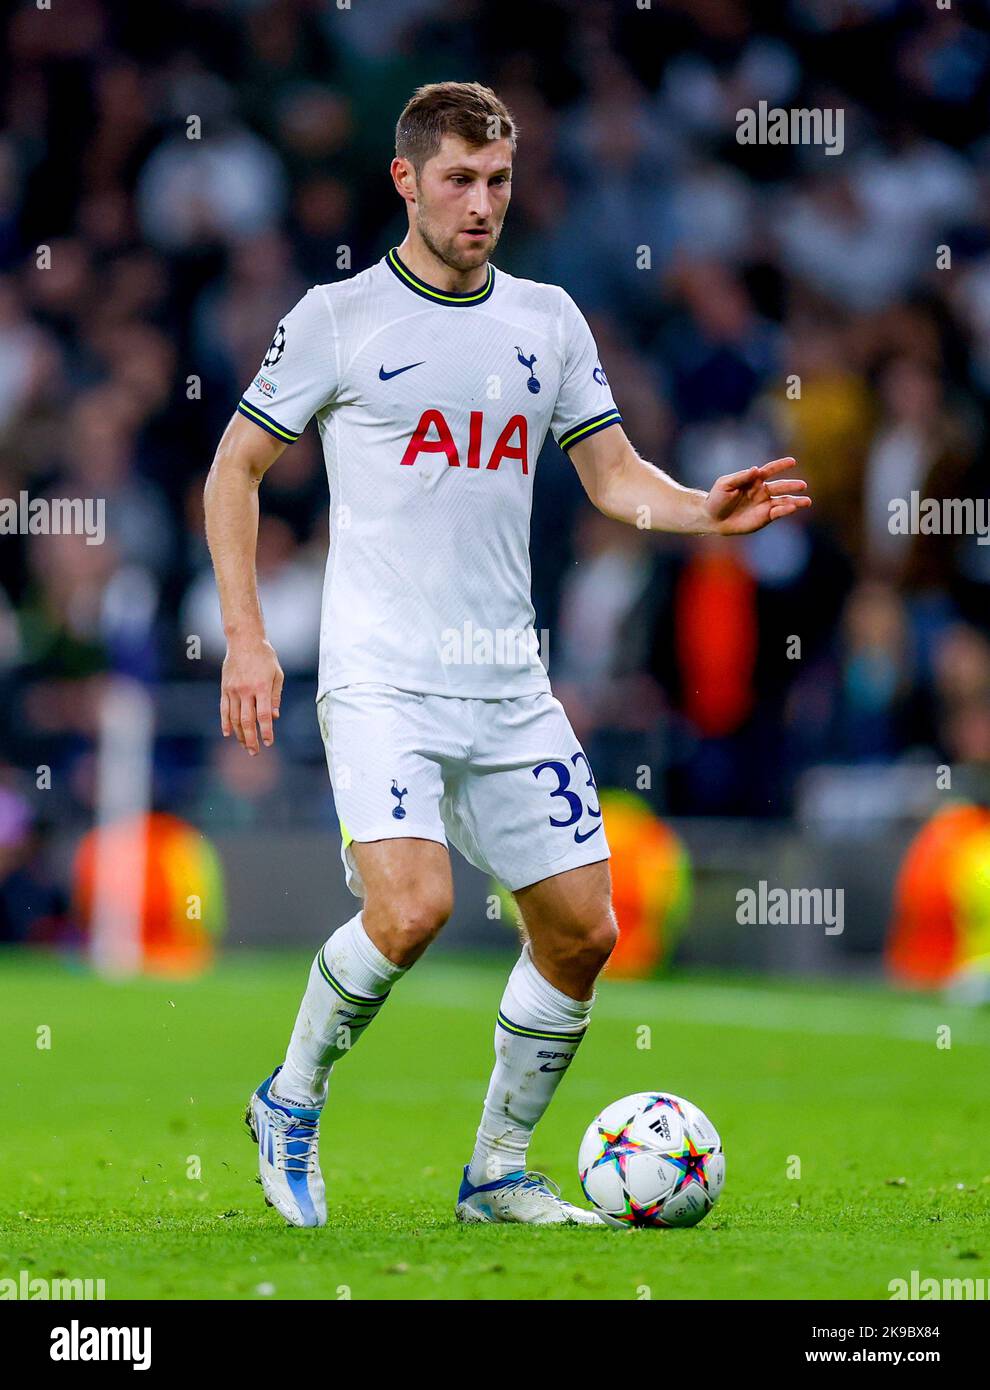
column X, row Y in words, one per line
column 432, row 408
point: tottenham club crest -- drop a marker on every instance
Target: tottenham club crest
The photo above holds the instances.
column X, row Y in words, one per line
column 529, row 363
column 274, row 353
column 399, row 811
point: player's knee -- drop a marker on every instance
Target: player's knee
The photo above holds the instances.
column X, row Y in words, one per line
column 599, row 938
column 583, row 951
column 407, row 924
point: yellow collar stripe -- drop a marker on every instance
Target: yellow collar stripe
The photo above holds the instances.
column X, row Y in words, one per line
column 418, row 286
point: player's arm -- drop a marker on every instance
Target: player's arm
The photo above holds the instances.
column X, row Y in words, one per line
column 297, row 379
column 251, row 681
column 626, row 487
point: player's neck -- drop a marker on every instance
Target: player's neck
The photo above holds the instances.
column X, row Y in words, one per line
column 416, row 256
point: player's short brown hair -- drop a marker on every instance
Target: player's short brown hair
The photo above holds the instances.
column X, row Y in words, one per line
column 466, row 109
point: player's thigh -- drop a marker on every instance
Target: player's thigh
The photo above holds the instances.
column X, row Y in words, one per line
column 407, row 881
column 573, row 907
column 384, row 751
column 570, row 926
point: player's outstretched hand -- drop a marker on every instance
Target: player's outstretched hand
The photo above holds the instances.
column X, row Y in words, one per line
column 250, row 693
column 748, row 501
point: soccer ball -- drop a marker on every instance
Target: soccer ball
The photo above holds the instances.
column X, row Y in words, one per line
column 652, row 1159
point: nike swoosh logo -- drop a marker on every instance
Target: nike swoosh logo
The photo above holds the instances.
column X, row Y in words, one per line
column 579, row 839
column 383, row 375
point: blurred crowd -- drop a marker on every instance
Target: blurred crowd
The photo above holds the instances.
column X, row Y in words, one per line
column 175, row 174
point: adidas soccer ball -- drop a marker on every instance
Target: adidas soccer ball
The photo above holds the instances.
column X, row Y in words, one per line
column 652, row 1159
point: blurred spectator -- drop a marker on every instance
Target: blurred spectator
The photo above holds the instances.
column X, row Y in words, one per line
column 919, row 446
column 32, row 907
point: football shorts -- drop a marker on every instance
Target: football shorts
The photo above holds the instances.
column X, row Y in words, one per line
column 503, row 780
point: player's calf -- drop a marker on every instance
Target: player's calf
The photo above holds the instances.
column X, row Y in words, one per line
column 544, row 1014
column 349, row 981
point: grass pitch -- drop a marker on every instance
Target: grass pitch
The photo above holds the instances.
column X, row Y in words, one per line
column 126, row 1158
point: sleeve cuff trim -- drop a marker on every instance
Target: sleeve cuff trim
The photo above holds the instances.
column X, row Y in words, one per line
column 267, row 423
column 590, row 427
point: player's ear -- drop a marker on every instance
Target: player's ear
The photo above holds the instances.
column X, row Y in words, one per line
column 404, row 178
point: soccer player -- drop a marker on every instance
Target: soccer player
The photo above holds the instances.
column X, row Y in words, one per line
column 434, row 378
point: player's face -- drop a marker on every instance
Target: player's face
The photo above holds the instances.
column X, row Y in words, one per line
column 462, row 194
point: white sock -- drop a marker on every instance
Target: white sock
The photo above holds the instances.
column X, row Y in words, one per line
column 348, row 983
column 536, row 1035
